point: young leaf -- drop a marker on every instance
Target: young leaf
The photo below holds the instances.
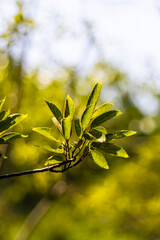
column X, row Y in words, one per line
column 89, row 136
column 53, row 159
column 57, row 150
column 4, row 115
column 119, row 134
column 111, row 149
column 66, row 127
column 94, row 95
column 102, row 138
column 105, row 117
column 57, row 124
column 1, row 103
column 2, row 156
column 99, row 159
column 56, row 112
column 86, row 150
column 78, row 127
column 79, row 144
column 69, row 107
column 98, row 131
column 11, row 121
column 8, row 137
column 86, row 117
column 46, row 132
column 96, row 138
column 102, row 109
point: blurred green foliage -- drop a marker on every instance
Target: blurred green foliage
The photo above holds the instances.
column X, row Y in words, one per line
column 87, row 202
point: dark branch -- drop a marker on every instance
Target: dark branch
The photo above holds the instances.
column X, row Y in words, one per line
column 39, row 170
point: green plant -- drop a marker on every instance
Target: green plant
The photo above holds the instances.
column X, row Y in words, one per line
column 93, row 138
column 7, row 121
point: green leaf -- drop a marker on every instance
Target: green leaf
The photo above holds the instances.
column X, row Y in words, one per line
column 4, row 115
column 111, row 149
column 46, row 132
column 2, row 156
column 89, row 136
column 57, row 124
column 53, row 159
column 1, row 103
column 98, row 131
column 96, row 138
column 93, row 98
column 11, row 121
column 56, row 112
column 99, row 159
column 119, row 134
column 78, row 144
column 94, row 95
column 66, row 127
column 86, row 117
column 8, row 137
column 86, row 149
column 69, row 107
column 102, row 109
column 57, row 150
column 102, row 138
column 105, row 117
column 78, row 127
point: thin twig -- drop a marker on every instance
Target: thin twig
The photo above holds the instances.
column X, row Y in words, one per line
column 48, row 168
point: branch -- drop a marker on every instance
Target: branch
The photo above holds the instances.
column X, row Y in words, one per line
column 49, row 168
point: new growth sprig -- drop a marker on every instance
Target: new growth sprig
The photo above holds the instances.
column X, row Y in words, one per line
column 92, row 138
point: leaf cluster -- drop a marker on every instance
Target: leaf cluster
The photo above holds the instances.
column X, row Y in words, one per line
column 93, row 139
column 8, row 121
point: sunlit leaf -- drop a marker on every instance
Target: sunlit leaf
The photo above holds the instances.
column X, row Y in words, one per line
column 105, row 117
column 4, row 115
column 97, row 138
column 102, row 109
column 57, row 124
column 86, row 149
column 89, row 136
column 78, row 127
column 98, row 131
column 102, row 138
column 69, row 107
column 119, row 134
column 57, row 150
column 66, row 127
column 99, row 159
column 11, row 121
column 2, row 156
column 93, row 98
column 8, row 137
column 56, row 112
column 1, row 103
column 46, row 132
column 86, row 117
column 111, row 149
column 18, row 18
column 53, row 159
column 94, row 95
column 79, row 144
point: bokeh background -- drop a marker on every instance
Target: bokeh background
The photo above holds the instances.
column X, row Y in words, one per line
column 52, row 48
